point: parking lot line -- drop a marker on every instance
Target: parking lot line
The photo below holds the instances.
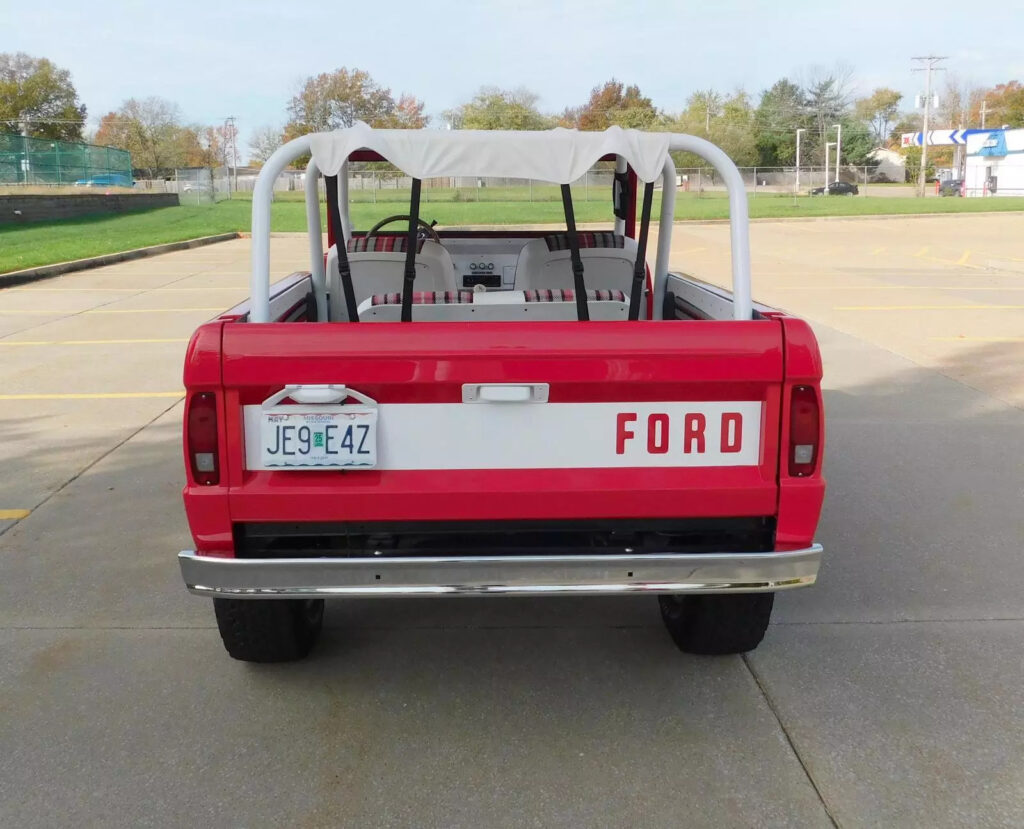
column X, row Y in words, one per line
column 116, row 395
column 14, row 514
column 137, row 289
column 928, row 308
column 91, row 342
column 977, row 339
column 40, row 312
column 899, row 288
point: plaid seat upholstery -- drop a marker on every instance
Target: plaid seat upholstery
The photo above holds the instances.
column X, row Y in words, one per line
column 426, row 298
column 380, row 244
column 587, row 238
column 558, row 295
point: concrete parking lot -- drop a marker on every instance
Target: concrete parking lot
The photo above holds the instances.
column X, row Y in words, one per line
column 891, row 694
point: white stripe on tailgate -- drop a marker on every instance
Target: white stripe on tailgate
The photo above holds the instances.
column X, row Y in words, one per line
column 556, row 435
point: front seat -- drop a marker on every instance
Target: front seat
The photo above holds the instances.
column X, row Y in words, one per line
column 378, row 267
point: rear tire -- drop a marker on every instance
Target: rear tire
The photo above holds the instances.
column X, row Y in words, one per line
column 269, row 630
column 717, row 624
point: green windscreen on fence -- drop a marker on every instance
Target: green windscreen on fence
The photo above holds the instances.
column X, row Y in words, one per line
column 45, row 161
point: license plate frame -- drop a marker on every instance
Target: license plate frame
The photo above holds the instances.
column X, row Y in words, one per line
column 318, row 437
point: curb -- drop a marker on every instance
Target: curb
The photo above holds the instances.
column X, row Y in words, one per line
column 47, row 271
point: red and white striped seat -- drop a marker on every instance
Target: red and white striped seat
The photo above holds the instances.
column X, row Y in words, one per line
column 608, row 261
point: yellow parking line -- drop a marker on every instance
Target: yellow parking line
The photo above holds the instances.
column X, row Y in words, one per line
column 898, row 288
column 40, row 312
column 928, row 308
column 88, row 342
column 14, row 514
column 120, row 395
column 977, row 339
column 115, row 290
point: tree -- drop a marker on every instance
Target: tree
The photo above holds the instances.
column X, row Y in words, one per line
column 338, row 99
column 1006, row 103
column 264, row 142
column 707, row 104
column 613, row 104
column 828, row 99
column 879, row 110
column 150, row 129
column 500, row 109
column 780, row 113
column 41, row 95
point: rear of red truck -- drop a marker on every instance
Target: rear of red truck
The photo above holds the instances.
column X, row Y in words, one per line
column 678, row 456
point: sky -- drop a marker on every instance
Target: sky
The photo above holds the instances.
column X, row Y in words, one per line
column 247, row 59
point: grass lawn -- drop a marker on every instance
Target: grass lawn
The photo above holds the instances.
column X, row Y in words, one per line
column 42, row 243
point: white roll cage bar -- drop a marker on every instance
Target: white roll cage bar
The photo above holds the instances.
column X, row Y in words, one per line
column 259, row 284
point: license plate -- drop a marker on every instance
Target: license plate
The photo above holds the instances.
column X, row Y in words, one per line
column 342, row 438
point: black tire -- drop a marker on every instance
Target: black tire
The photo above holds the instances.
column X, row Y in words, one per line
column 717, row 624
column 269, row 630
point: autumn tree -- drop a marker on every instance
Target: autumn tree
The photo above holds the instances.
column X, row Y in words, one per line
column 1005, row 102
column 500, row 109
column 613, row 104
column 150, row 129
column 879, row 110
column 335, row 100
column 41, row 95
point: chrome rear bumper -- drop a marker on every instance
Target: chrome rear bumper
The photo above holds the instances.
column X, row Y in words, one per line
column 252, row 578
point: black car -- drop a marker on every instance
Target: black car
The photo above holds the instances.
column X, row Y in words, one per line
column 837, row 188
column 952, row 187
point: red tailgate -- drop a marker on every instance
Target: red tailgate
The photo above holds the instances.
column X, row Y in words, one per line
column 590, row 369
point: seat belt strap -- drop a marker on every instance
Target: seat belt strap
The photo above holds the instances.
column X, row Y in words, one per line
column 344, row 270
column 410, row 252
column 640, row 267
column 582, row 311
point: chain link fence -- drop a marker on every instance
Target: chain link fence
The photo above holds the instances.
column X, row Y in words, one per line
column 198, row 185
column 43, row 162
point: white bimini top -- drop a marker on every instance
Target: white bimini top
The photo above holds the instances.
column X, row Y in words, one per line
column 560, row 156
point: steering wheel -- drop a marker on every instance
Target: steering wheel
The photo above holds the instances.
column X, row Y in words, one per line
column 424, row 227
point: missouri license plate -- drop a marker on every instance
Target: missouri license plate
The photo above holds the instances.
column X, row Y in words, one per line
column 342, row 438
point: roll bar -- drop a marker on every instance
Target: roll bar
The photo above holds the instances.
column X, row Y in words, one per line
column 259, row 282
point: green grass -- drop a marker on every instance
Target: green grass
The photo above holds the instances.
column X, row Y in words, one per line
column 43, row 243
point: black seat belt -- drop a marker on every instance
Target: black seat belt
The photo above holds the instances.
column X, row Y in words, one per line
column 582, row 311
column 410, row 252
column 334, row 219
column 640, row 268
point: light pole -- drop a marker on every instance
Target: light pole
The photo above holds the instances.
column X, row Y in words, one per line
column 827, row 145
column 839, row 145
column 798, row 158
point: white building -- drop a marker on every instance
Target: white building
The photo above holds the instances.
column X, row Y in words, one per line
column 995, row 163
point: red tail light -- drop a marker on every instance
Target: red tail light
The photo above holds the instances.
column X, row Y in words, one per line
column 804, row 431
column 202, row 439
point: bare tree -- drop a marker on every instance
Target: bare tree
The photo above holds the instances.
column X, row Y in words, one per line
column 265, row 140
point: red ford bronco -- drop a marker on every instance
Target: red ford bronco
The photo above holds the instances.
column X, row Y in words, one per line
column 513, row 413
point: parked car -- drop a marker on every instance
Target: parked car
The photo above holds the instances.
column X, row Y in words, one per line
column 952, row 187
column 837, row 188
column 111, row 180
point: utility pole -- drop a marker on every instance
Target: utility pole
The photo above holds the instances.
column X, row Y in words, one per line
column 984, row 112
column 930, row 63
column 798, row 158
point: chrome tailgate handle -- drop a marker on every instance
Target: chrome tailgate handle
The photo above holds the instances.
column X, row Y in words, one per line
column 505, row 393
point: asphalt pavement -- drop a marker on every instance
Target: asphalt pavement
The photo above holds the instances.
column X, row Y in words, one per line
column 890, row 694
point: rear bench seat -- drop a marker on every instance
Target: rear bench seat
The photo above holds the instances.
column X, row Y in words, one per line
column 608, row 261
column 495, row 306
